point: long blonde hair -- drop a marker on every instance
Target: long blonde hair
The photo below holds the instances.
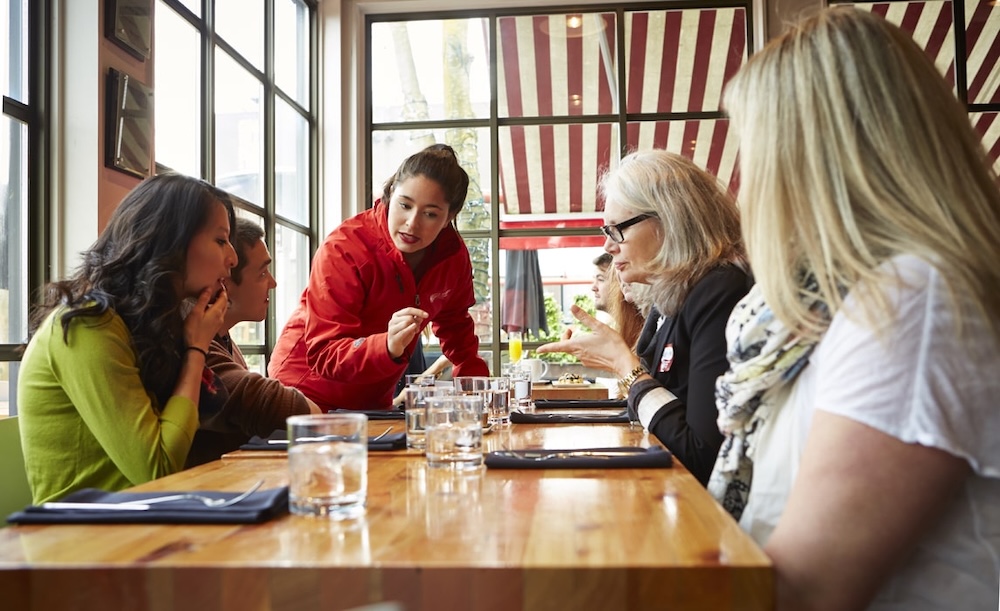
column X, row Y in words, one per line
column 697, row 219
column 853, row 149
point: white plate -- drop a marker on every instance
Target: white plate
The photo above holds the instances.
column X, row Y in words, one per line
column 570, row 384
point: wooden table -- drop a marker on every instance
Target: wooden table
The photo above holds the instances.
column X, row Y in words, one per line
column 582, row 391
column 431, row 539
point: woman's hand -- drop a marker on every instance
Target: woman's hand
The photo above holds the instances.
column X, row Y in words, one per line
column 403, row 327
column 603, row 348
column 205, row 319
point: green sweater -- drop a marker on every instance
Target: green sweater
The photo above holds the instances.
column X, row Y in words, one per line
column 86, row 420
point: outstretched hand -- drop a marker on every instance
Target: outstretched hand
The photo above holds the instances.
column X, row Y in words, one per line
column 602, row 348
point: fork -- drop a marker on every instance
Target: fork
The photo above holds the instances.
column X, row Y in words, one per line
column 189, row 496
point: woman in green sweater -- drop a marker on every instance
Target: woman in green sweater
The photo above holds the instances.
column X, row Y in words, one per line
column 114, row 375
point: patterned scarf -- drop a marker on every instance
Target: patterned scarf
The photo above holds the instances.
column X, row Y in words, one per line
column 763, row 354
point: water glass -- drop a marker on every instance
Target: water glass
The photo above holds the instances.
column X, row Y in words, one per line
column 471, row 385
column 416, row 415
column 420, row 379
column 496, row 401
column 328, row 465
column 454, row 431
column 520, row 389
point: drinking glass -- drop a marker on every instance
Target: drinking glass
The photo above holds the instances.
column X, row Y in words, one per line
column 454, row 431
column 415, row 398
column 515, row 342
column 496, row 401
column 328, row 465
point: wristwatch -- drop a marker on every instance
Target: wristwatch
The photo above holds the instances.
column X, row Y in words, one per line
column 625, row 384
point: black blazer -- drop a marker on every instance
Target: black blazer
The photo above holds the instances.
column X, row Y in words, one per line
column 697, row 339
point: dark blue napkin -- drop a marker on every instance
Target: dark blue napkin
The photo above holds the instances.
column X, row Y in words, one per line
column 607, row 458
column 392, row 441
column 580, row 403
column 381, row 414
column 258, row 507
column 556, row 418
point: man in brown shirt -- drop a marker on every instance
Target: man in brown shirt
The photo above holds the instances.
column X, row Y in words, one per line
column 256, row 405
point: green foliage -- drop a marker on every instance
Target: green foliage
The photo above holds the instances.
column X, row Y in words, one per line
column 554, row 318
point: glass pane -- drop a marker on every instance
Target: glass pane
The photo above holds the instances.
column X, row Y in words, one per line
column 239, row 128
column 556, row 65
column 241, row 24
column 390, row 148
column 255, row 363
column 427, row 70
column 291, row 151
column 178, row 86
column 14, row 24
column 291, row 271
column 709, row 143
column 13, row 227
column 291, row 54
column 554, row 169
column 982, row 44
column 482, row 286
column 930, row 24
column 679, row 61
column 987, row 124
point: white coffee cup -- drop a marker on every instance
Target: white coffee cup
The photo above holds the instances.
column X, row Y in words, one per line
column 537, row 367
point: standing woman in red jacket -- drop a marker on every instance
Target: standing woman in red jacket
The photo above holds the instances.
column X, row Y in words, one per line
column 376, row 281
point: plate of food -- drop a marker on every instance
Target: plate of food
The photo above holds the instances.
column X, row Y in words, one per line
column 570, row 380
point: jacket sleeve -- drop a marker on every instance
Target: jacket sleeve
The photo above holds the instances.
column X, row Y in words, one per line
column 112, row 401
column 256, row 405
column 456, row 330
column 689, row 429
column 336, row 342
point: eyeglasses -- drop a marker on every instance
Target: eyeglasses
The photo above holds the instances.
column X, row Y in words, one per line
column 615, row 231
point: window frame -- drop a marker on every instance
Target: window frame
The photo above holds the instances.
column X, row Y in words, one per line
column 211, row 42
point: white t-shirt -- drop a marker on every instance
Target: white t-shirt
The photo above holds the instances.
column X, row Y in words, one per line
column 924, row 385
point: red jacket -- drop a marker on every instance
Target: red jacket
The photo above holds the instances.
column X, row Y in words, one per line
column 333, row 347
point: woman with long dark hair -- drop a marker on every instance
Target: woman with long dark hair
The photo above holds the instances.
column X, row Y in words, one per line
column 114, row 375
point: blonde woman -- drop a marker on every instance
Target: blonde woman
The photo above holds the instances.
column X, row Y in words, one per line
column 871, row 217
column 669, row 225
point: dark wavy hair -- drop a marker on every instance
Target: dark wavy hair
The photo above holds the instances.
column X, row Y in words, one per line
column 439, row 163
column 137, row 268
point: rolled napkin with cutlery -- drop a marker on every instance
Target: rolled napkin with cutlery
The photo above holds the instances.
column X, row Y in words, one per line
column 580, row 403
column 278, row 440
column 93, row 506
column 581, row 458
column 567, row 418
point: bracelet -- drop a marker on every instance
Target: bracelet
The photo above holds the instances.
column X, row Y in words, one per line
column 197, row 349
column 625, row 384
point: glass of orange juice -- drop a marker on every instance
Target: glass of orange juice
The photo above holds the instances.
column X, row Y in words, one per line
column 514, row 339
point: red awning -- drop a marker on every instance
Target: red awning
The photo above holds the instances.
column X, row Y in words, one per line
column 565, row 66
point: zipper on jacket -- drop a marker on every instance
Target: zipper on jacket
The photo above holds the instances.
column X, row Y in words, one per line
column 399, row 281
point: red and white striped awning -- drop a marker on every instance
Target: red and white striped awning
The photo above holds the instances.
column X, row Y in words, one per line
column 931, row 25
column 565, row 66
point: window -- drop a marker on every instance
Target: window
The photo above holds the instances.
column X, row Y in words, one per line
column 236, row 105
column 538, row 103
column 963, row 39
column 21, row 181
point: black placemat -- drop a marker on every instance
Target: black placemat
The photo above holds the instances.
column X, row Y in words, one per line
column 258, row 507
column 392, row 441
column 581, row 418
column 587, row 458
